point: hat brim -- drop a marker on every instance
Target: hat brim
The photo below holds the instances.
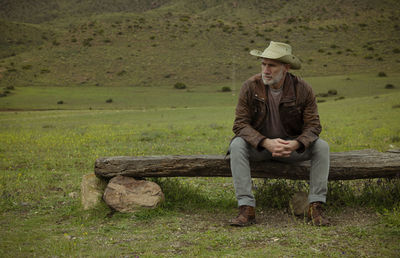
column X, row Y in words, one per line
column 292, row 60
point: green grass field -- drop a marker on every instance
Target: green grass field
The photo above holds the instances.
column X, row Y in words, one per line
column 86, row 79
column 44, row 155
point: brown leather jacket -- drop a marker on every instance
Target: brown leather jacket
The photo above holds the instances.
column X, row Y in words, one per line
column 297, row 109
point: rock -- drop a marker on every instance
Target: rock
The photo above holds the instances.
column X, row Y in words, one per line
column 126, row 194
column 92, row 189
column 299, row 204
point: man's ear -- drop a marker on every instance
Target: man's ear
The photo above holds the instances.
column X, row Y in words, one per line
column 287, row 67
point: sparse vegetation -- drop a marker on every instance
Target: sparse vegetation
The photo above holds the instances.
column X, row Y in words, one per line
column 87, row 42
column 226, row 89
column 120, row 73
column 332, row 92
column 180, row 86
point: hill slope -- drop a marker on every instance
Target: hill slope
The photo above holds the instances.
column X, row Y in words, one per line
column 144, row 43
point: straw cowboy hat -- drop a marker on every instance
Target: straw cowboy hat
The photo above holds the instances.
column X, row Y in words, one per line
column 279, row 51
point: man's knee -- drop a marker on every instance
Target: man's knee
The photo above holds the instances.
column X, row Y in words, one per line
column 238, row 144
column 321, row 146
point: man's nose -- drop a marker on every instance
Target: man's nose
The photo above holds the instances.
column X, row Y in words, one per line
column 266, row 69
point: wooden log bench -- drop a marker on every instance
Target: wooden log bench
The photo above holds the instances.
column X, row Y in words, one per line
column 350, row 165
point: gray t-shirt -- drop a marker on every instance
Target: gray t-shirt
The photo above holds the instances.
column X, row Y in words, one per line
column 274, row 128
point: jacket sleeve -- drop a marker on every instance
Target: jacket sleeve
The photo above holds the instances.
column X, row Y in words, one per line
column 242, row 126
column 312, row 125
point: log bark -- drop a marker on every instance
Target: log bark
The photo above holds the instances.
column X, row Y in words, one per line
column 343, row 166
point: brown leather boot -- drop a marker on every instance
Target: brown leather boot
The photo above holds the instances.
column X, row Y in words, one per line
column 316, row 214
column 246, row 217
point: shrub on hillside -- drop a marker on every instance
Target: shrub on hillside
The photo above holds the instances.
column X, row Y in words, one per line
column 86, row 42
column 382, row 74
column 322, row 95
column 389, row 86
column 109, row 100
column 226, row 89
column 60, row 102
column 121, row 73
column 180, row 86
column 291, row 20
column 332, row 92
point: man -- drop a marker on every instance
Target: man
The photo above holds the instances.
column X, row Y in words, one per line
column 277, row 119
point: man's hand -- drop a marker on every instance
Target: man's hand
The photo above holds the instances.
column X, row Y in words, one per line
column 279, row 147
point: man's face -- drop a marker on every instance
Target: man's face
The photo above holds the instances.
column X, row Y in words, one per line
column 272, row 71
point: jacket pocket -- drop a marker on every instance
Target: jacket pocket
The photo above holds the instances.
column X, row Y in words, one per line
column 258, row 106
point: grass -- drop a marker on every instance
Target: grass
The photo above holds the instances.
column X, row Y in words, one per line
column 140, row 98
column 83, row 56
column 43, row 156
column 144, row 98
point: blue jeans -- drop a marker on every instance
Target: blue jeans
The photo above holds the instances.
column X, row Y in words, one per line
column 241, row 153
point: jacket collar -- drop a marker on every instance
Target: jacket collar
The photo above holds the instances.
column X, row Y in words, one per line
column 288, row 94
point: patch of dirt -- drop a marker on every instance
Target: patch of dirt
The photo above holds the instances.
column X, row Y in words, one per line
column 281, row 218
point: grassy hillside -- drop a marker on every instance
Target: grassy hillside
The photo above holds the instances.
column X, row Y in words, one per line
column 130, row 43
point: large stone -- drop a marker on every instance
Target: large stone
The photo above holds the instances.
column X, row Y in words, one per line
column 298, row 204
column 92, row 189
column 126, row 194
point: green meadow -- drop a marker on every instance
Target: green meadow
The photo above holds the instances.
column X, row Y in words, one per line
column 44, row 155
column 85, row 79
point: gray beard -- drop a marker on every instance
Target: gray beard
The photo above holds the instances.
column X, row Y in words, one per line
column 272, row 81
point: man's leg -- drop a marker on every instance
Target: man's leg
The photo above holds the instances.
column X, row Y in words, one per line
column 319, row 171
column 318, row 153
column 240, row 155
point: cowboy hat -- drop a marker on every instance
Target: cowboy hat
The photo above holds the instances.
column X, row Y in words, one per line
column 279, row 51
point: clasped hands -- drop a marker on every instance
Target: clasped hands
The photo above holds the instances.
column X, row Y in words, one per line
column 279, row 147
